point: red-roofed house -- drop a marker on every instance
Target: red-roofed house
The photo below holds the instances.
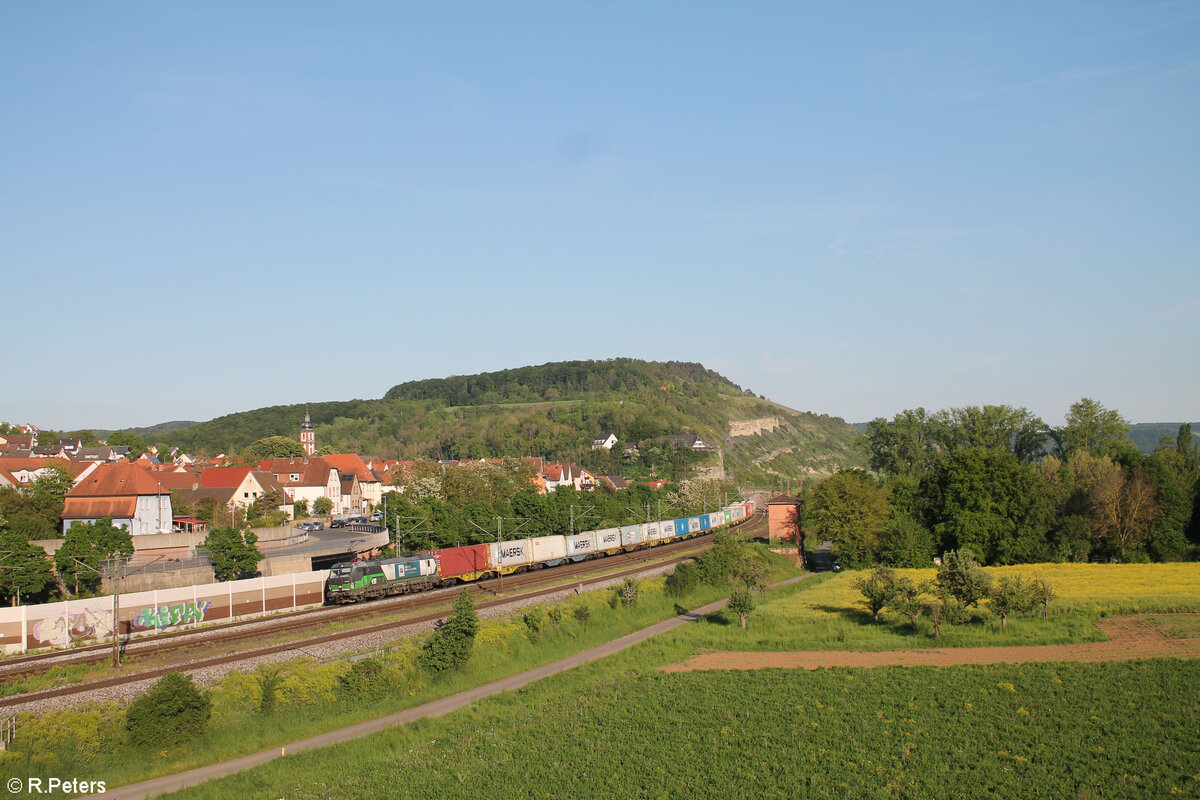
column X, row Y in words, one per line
column 247, row 484
column 369, row 484
column 123, row 491
column 306, row 478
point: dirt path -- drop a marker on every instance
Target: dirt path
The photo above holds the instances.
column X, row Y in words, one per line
column 1128, row 638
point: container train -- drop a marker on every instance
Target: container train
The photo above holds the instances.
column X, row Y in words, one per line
column 353, row 581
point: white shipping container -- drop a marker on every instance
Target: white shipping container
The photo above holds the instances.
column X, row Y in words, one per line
column 666, row 529
column 631, row 535
column 608, row 539
column 581, row 544
column 693, row 524
column 516, row 553
column 549, row 548
column 650, row 532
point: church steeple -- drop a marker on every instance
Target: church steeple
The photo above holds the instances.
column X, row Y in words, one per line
column 308, row 434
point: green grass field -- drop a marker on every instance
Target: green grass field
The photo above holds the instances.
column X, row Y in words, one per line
column 1032, row 731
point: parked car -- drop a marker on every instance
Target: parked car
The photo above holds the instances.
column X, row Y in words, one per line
column 359, row 520
column 317, row 526
column 337, row 523
column 377, row 516
column 305, row 526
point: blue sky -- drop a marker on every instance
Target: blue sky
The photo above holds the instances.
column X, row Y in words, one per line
column 854, row 209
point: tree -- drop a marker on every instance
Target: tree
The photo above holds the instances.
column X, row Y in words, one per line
column 1123, row 508
column 300, row 509
column 907, row 600
column 960, row 576
column 741, row 602
column 172, row 712
column 85, row 547
column 136, row 444
column 849, row 509
column 24, row 567
column 272, row 447
column 322, row 505
column 987, row 501
column 879, row 589
column 450, row 645
column 234, row 554
column 1090, row 427
column 1012, row 593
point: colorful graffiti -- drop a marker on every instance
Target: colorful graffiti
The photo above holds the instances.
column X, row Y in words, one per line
column 64, row 630
column 174, row 614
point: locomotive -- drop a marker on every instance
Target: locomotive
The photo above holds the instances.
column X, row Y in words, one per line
column 353, row 581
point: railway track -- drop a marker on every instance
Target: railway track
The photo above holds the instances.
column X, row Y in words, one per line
column 587, row 573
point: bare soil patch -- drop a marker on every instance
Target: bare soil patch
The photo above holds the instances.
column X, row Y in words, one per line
column 1149, row 636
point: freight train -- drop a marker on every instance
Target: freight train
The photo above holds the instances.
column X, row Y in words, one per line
column 352, row 581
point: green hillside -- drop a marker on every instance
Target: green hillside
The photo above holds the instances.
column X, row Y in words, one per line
column 555, row 411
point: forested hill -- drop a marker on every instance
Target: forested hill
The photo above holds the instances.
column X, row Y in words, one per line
column 555, row 411
column 564, row 380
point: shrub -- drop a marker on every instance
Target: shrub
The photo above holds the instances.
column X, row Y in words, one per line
column 535, row 621
column 173, row 711
column 682, row 580
column 626, row 594
column 1013, row 593
column 961, row 577
column 366, row 679
column 451, row 645
column 555, row 615
column 582, row 614
column 879, row 589
column 269, row 677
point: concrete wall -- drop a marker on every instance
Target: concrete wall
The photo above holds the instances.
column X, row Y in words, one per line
column 169, row 579
column 88, row 621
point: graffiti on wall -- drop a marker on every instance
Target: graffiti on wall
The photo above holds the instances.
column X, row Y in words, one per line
column 64, row 630
column 174, row 614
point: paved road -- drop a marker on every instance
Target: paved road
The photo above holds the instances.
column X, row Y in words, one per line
column 171, row 783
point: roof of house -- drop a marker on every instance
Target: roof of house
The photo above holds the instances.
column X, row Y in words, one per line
column 784, row 499
column 313, row 471
column 120, row 479
column 350, row 463
column 97, row 507
column 615, row 481
column 177, row 481
column 224, row 477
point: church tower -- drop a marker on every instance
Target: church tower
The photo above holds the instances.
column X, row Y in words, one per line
column 308, row 434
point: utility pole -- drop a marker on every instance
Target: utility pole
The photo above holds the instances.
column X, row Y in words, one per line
column 500, row 542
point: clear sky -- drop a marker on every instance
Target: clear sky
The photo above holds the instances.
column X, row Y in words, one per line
column 851, row 208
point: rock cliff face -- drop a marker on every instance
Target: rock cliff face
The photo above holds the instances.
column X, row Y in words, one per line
column 751, row 427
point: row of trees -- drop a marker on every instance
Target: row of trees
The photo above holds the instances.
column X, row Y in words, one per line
column 959, row 586
column 442, row 507
column 998, row 481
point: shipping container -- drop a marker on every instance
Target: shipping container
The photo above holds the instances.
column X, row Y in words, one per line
column 409, row 568
column 549, row 550
column 681, row 527
column 705, row 524
column 608, row 540
column 464, row 563
column 581, row 546
column 694, row 525
column 651, row 533
column 511, row 556
column 631, row 535
column 666, row 529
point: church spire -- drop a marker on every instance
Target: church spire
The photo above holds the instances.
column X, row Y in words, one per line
column 308, row 434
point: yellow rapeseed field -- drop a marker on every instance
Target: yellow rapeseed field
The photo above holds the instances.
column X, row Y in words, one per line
column 1098, row 588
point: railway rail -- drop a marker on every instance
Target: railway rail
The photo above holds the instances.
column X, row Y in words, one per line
column 584, row 573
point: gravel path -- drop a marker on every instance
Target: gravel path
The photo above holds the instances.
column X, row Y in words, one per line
column 1128, row 638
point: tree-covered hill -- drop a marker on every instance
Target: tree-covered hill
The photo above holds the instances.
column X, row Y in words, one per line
column 556, row 411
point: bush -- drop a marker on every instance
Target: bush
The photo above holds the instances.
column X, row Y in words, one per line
column 582, row 614
column 879, row 589
column 682, row 580
column 555, row 615
column 451, row 645
column 535, row 621
column 367, row 679
column 173, row 711
column 269, row 677
column 625, row 595
column 961, row 577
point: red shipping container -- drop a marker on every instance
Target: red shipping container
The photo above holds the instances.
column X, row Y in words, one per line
column 467, row 561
